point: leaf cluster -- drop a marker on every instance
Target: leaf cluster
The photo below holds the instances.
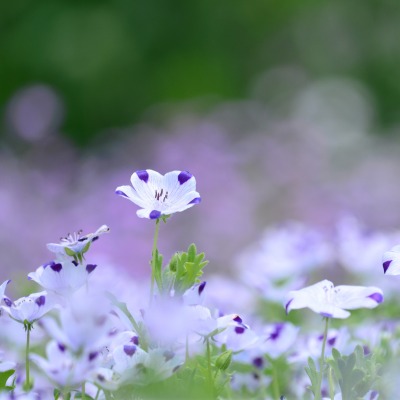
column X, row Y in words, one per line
column 182, row 272
column 355, row 373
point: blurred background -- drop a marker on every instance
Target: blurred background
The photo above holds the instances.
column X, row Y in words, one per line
column 284, row 111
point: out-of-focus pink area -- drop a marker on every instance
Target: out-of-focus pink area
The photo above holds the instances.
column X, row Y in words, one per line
column 307, row 156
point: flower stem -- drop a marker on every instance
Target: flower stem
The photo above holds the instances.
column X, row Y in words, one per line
column 275, row 382
column 83, row 394
column 153, row 259
column 28, row 327
column 210, row 377
column 322, row 361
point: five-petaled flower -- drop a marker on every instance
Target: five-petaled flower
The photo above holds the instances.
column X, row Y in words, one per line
column 161, row 195
column 391, row 261
column 332, row 302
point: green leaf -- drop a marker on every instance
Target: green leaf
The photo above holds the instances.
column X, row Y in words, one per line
column 224, row 360
column 4, row 377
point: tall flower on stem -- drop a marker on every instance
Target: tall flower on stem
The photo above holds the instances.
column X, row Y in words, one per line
column 332, row 302
column 160, row 196
column 27, row 310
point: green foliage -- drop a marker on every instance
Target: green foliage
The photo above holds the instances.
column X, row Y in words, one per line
column 355, row 373
column 3, row 379
column 313, row 374
column 182, row 272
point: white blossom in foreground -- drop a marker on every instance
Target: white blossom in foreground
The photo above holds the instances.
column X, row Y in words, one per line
column 160, row 195
column 30, row 308
column 391, row 261
column 63, row 278
column 75, row 244
column 332, row 302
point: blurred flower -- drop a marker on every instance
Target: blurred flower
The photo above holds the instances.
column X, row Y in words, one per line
column 391, row 261
column 332, row 302
column 29, row 308
column 160, row 195
column 64, row 277
column 74, row 245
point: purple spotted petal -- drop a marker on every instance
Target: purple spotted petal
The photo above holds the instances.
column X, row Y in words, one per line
column 184, row 176
column 61, row 347
column 49, row 264
column 56, row 267
column 40, row 301
column 239, row 330
column 201, row 287
column 90, row 268
column 196, row 200
column 278, row 329
column 376, row 297
column 287, row 306
column 326, row 315
column 129, row 350
column 155, row 214
column 121, row 193
column 143, row 175
column 7, row 301
column 386, row 265
column 135, row 340
column 258, row 362
column 332, row 341
column 93, row 355
column 238, row 319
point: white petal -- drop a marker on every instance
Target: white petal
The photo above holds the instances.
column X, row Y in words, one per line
column 352, row 297
column 145, row 189
column 132, row 195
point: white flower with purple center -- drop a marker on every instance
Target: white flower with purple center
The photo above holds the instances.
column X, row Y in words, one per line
column 332, row 302
column 62, row 277
column 28, row 309
column 161, row 195
column 391, row 261
column 75, row 244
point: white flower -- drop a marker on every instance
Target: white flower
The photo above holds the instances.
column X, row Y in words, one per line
column 332, row 302
column 29, row 308
column 64, row 277
column 161, row 195
column 391, row 261
column 64, row 367
column 75, row 244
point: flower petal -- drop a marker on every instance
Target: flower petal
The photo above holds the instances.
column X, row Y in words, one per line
column 352, row 297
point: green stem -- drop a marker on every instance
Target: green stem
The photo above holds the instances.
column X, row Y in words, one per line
column 97, row 393
column 28, row 328
column 210, row 377
column 153, row 259
column 331, row 384
column 83, row 394
column 321, row 361
column 275, row 382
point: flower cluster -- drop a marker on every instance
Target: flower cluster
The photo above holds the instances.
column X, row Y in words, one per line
column 84, row 337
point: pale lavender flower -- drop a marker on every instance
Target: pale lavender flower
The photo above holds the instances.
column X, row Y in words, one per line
column 62, row 277
column 278, row 262
column 161, row 195
column 135, row 365
column 66, row 368
column 75, row 244
column 332, row 302
column 29, row 308
column 360, row 250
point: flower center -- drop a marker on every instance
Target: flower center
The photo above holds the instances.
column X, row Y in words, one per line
column 160, row 195
column 72, row 238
